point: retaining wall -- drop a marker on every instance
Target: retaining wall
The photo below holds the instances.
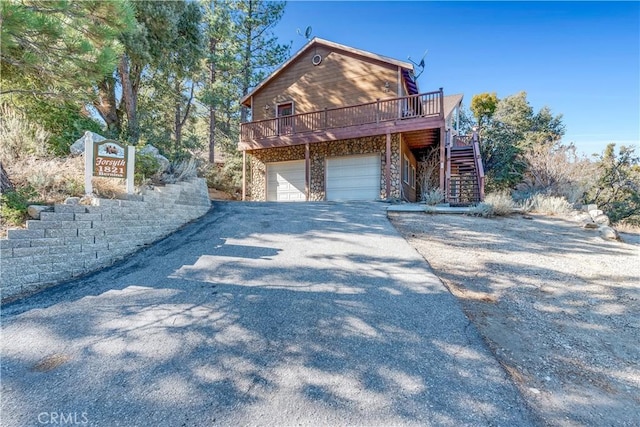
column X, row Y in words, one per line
column 76, row 239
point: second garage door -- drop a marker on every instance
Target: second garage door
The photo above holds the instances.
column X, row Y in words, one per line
column 285, row 181
column 353, row 177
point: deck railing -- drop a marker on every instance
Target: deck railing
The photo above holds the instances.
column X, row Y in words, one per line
column 428, row 104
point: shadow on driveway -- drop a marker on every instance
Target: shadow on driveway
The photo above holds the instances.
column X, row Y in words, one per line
column 259, row 313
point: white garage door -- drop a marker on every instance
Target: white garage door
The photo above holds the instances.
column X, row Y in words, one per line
column 285, row 181
column 353, row 178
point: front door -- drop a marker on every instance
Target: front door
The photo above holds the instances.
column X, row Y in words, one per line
column 285, row 121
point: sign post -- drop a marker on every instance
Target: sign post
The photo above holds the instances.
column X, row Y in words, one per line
column 110, row 159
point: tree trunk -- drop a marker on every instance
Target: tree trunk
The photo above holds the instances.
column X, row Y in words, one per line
column 247, row 69
column 130, row 101
column 5, row 182
column 106, row 105
column 212, row 108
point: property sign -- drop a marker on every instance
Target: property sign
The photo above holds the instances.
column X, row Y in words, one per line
column 110, row 159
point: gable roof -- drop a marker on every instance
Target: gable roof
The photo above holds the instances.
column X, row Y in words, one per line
column 318, row 41
column 450, row 102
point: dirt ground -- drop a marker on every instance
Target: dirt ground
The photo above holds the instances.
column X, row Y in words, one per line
column 558, row 305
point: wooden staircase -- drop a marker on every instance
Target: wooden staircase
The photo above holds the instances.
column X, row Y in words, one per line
column 465, row 174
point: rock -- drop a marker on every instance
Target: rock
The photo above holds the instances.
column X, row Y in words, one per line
column 72, row 201
column 595, row 212
column 602, row 220
column 77, row 147
column 590, row 225
column 35, row 210
column 87, row 199
column 150, row 149
column 583, row 217
column 588, row 208
column 609, row 233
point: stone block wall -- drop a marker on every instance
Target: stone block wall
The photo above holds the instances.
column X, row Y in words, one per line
column 77, row 239
column 318, row 152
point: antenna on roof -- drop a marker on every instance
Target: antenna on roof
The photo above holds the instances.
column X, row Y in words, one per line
column 419, row 64
column 307, row 33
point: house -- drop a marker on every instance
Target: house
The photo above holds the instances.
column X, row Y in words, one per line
column 338, row 123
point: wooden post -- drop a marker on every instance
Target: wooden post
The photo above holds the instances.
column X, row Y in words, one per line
column 131, row 167
column 307, row 171
column 88, row 162
column 244, row 175
column 441, row 103
column 377, row 110
column 442, row 163
column 387, row 167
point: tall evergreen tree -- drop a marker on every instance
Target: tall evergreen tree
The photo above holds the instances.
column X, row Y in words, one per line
column 59, row 49
column 163, row 39
column 260, row 50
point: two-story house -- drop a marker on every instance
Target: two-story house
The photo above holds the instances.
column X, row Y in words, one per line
column 338, row 123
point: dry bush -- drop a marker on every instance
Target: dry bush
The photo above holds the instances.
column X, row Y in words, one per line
column 557, row 171
column 180, row 171
column 19, row 137
column 53, row 179
column 501, row 203
column 545, row 204
column 433, row 197
column 428, row 175
column 482, row 209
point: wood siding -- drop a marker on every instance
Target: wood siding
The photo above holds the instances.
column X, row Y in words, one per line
column 342, row 78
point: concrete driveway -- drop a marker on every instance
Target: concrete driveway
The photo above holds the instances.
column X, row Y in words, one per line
column 257, row 314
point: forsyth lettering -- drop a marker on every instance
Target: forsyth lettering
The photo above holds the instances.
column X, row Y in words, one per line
column 100, row 161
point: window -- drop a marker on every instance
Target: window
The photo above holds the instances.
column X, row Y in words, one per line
column 405, row 170
column 412, row 178
column 285, row 121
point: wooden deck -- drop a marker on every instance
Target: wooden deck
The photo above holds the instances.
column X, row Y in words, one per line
column 394, row 115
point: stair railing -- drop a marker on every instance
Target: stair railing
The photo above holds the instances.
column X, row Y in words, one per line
column 478, row 160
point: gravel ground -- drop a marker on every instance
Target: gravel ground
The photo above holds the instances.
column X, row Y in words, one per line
column 558, row 305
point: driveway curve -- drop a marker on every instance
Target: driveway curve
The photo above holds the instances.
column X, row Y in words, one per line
column 256, row 314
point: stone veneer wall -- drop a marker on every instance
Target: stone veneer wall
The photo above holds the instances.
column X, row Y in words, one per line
column 77, row 239
column 318, row 152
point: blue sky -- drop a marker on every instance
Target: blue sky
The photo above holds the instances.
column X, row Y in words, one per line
column 582, row 59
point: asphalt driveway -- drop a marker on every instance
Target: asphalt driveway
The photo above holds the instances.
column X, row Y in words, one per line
column 257, row 314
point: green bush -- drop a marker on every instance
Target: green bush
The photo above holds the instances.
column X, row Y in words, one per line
column 14, row 204
column 146, row 167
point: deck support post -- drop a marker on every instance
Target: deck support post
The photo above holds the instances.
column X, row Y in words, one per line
column 442, row 163
column 387, row 167
column 307, row 172
column 244, row 175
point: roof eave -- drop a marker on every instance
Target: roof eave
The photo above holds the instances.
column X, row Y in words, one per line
column 247, row 98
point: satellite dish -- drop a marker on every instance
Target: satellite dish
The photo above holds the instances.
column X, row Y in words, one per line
column 420, row 64
column 307, row 33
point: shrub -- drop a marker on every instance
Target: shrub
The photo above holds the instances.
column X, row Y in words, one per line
column 52, row 179
column 483, row 209
column 542, row 203
column 146, row 167
column 557, row 171
column 617, row 190
column 227, row 178
column 501, row 203
column 19, row 137
column 180, row 171
column 14, row 204
column 433, row 197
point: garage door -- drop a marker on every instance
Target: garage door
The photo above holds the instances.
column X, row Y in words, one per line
column 285, row 181
column 353, row 178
